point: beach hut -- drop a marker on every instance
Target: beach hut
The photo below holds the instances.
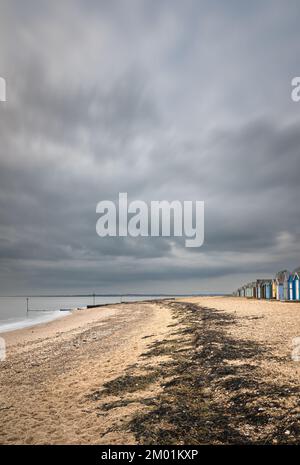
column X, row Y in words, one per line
column 251, row 290
column 296, row 284
column 274, row 289
column 286, row 286
column 268, row 289
column 248, row 293
column 241, row 292
column 261, row 288
column 282, row 278
column 291, row 291
column 254, row 293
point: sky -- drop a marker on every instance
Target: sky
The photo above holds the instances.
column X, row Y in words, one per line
column 164, row 100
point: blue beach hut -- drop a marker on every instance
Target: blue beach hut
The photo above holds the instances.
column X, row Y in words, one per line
column 282, row 284
column 251, row 290
column 296, row 284
column 291, row 290
column 261, row 288
column 248, row 291
column 267, row 286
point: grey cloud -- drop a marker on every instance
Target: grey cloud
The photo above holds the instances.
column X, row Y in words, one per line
column 164, row 100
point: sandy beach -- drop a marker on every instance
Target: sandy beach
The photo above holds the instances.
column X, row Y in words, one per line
column 195, row 370
column 51, row 369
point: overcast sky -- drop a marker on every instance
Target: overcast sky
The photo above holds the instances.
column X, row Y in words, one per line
column 186, row 100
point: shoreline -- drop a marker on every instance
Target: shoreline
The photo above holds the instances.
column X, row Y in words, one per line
column 45, row 316
column 16, row 324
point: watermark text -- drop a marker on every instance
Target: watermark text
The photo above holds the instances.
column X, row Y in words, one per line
column 159, row 219
column 295, row 95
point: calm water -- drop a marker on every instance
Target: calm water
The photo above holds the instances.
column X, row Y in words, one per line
column 13, row 314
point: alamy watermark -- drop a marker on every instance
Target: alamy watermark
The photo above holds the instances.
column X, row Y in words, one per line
column 159, row 219
column 295, row 95
column 2, row 89
column 2, row 349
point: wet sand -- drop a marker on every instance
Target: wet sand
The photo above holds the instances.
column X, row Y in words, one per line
column 196, row 370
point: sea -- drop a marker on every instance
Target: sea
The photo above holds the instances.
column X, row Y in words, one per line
column 14, row 314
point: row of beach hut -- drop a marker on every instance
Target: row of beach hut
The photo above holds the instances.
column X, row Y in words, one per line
column 285, row 286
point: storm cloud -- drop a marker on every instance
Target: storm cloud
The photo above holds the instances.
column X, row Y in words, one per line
column 165, row 100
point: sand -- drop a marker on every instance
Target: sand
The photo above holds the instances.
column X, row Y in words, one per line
column 274, row 324
column 52, row 384
column 52, row 368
